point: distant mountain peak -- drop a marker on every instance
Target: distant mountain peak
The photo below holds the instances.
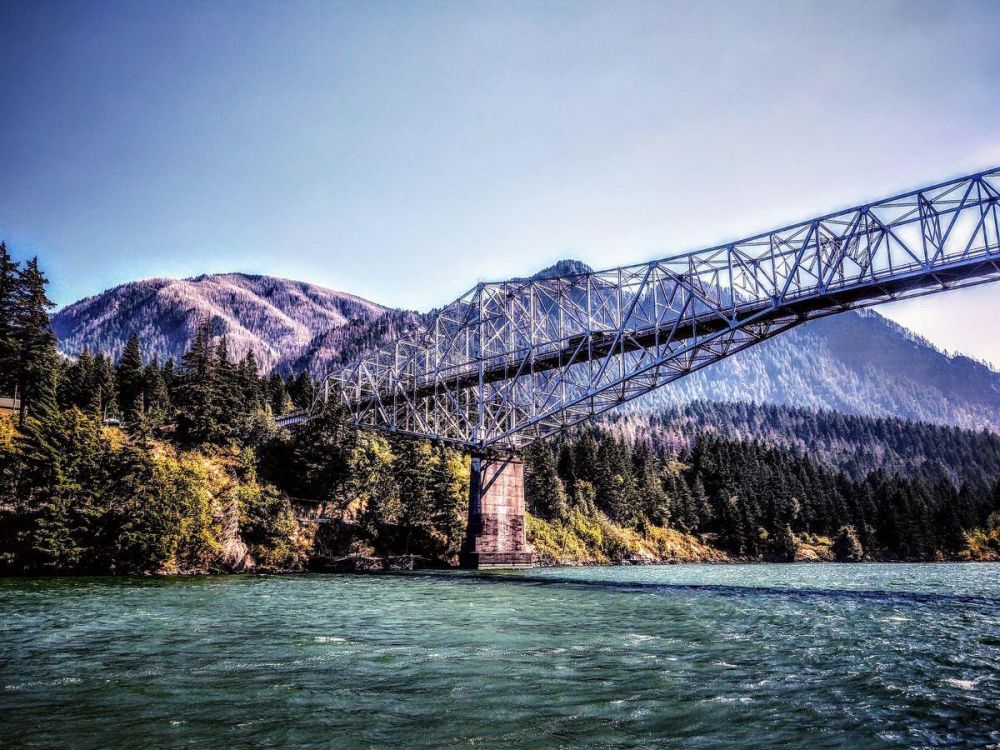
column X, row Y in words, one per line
column 567, row 267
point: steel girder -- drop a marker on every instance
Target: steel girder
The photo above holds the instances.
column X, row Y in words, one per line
column 511, row 362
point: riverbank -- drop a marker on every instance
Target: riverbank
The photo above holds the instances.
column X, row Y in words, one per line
column 77, row 497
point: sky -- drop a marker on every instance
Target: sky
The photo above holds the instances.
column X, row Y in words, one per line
column 403, row 151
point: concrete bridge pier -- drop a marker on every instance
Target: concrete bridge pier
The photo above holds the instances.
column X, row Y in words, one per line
column 495, row 535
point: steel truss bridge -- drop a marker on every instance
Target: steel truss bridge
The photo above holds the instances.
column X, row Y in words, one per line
column 511, row 362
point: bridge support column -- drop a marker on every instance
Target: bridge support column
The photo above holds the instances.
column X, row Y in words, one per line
column 495, row 536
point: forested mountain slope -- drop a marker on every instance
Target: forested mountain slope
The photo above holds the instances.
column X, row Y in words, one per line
column 855, row 362
column 853, row 444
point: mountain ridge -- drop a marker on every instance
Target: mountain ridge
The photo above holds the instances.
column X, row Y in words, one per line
column 273, row 317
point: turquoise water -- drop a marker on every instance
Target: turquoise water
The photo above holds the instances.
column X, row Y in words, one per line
column 686, row 656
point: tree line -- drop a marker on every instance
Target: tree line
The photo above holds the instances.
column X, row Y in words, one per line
column 755, row 500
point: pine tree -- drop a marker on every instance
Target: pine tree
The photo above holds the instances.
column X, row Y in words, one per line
column 250, row 383
column 77, row 386
column 198, row 414
column 155, row 395
column 9, row 305
column 277, row 394
column 846, row 547
column 449, row 500
column 39, row 443
column 543, row 488
column 170, row 378
column 302, row 390
column 37, row 363
column 106, row 388
column 130, row 376
column 412, row 470
column 230, row 406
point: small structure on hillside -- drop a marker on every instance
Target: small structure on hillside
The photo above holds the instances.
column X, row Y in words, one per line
column 11, row 406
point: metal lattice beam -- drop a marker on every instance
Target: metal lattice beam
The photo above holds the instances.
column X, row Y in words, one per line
column 511, row 362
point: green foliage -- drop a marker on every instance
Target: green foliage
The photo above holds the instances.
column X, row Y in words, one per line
column 847, row 547
column 77, row 496
column 544, row 490
column 9, row 293
column 130, row 377
column 754, row 499
column 266, row 519
column 594, row 539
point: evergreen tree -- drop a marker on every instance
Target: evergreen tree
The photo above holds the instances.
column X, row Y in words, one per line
column 250, row 386
column 155, row 394
column 277, row 394
column 78, row 385
column 198, row 413
column 130, row 377
column 37, row 364
column 544, row 492
column 106, row 388
column 449, row 498
column 783, row 547
column 847, row 547
column 302, row 390
column 412, row 470
column 653, row 502
column 9, row 305
column 230, row 406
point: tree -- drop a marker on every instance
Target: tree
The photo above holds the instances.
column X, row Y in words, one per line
column 543, row 489
column 106, row 388
column 156, row 397
column 654, row 503
column 9, row 305
column 846, row 547
column 449, row 487
column 198, row 412
column 37, row 363
column 249, row 382
column 301, row 390
column 783, row 545
column 77, row 387
column 278, row 394
column 130, row 376
column 231, row 408
column 412, row 470
column 67, row 461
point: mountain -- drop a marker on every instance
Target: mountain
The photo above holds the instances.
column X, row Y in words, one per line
column 276, row 318
column 856, row 362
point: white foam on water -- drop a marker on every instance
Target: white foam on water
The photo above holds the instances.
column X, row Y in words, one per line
column 964, row 684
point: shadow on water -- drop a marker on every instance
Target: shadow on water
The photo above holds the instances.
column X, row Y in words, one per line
column 82, row 584
column 874, row 595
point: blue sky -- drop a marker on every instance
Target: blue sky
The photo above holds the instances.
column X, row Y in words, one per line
column 403, row 151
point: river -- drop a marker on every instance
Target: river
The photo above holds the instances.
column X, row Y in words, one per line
column 690, row 656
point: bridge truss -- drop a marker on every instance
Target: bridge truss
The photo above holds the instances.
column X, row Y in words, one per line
column 510, row 362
